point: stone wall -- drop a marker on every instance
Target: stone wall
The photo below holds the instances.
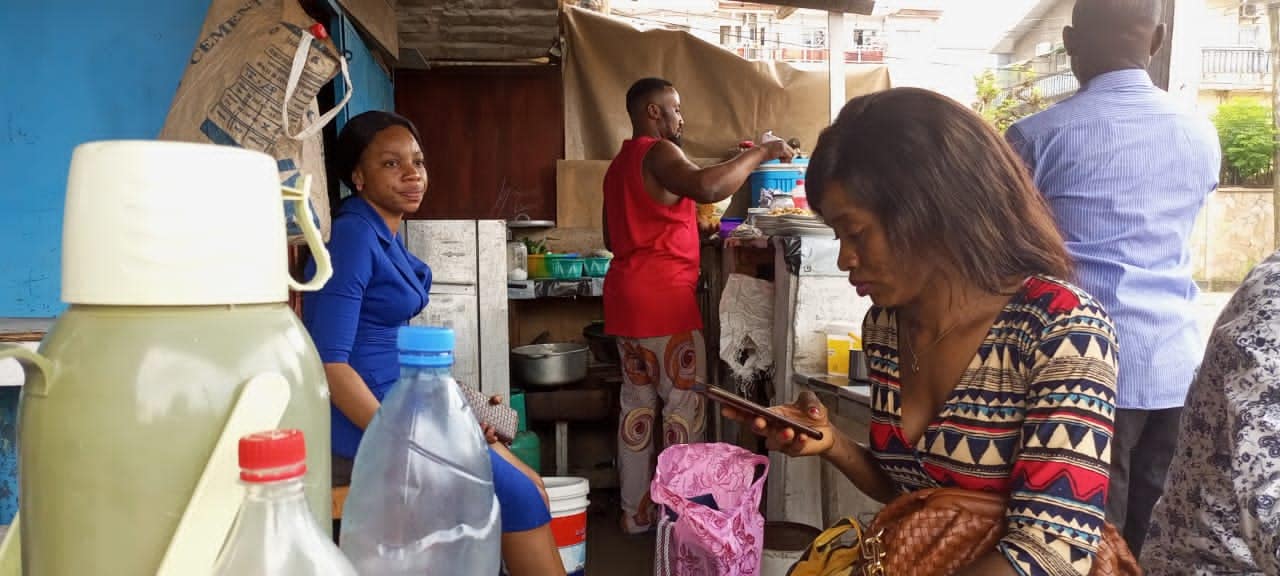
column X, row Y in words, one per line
column 1232, row 234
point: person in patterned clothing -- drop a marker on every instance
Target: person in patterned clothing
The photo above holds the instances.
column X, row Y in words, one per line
column 1220, row 513
column 989, row 370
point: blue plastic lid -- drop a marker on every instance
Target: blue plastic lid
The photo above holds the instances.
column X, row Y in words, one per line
column 425, row 345
column 795, row 161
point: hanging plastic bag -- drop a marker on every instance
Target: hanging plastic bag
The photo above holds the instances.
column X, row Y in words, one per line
column 709, row 497
column 746, row 328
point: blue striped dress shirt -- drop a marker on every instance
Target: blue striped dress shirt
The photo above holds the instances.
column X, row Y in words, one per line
column 1125, row 170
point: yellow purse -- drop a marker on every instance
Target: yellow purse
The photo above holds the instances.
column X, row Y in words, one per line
column 832, row 554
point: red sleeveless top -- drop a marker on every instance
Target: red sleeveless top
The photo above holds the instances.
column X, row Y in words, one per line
column 651, row 288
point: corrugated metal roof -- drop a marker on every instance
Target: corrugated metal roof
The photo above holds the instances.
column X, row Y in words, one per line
column 476, row 30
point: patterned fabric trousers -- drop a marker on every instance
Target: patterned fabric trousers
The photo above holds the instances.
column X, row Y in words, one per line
column 658, row 374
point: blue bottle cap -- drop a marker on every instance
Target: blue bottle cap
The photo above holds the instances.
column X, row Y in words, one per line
column 425, row 345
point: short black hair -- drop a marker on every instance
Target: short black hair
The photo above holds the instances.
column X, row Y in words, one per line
column 642, row 89
column 358, row 133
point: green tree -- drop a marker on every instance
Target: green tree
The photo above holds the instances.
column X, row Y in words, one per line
column 1247, row 135
column 1003, row 107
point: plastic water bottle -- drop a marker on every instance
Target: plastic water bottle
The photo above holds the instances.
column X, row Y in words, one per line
column 275, row 534
column 422, row 499
column 799, row 196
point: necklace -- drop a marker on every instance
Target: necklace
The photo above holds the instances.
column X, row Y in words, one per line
column 915, row 358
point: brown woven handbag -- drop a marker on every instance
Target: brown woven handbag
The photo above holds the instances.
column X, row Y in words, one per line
column 938, row 531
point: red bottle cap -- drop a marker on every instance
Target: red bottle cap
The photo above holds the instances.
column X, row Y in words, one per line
column 273, row 456
column 318, row 31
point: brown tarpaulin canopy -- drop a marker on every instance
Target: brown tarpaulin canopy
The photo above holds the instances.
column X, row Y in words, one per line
column 724, row 97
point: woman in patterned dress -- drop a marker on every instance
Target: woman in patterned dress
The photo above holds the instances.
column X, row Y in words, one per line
column 989, row 371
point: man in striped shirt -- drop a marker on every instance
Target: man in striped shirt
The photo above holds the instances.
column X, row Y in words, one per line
column 1125, row 171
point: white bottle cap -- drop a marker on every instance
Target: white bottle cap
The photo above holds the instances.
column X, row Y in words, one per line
column 178, row 224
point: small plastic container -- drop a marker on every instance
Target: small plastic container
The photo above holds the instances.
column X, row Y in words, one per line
column 728, row 225
column 595, row 267
column 841, row 339
column 538, row 268
column 517, row 261
column 565, row 268
column 799, row 196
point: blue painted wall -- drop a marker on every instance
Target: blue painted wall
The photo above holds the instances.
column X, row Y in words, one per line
column 371, row 86
column 74, row 71
column 81, row 70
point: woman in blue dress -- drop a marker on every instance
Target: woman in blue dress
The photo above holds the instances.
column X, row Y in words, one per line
column 377, row 286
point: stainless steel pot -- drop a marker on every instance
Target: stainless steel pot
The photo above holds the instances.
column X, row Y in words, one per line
column 549, row 365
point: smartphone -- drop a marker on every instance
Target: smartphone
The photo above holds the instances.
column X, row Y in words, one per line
column 743, row 405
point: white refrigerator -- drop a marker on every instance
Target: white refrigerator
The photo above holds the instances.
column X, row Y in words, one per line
column 468, row 260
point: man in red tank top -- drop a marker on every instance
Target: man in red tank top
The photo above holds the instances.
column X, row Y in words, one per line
column 651, row 194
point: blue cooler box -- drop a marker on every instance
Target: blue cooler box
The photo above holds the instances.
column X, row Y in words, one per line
column 774, row 175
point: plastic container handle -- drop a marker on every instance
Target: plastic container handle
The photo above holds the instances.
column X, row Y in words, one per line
column 11, row 549
column 324, row 267
column 30, row 360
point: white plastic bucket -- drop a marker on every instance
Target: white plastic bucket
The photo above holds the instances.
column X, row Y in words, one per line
column 569, row 520
column 784, row 544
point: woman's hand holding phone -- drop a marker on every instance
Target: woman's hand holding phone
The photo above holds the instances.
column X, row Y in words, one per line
column 807, row 410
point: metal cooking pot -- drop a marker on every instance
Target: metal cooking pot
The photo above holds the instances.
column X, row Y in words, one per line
column 549, row 365
column 603, row 346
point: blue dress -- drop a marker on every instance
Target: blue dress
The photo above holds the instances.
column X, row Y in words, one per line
column 377, row 287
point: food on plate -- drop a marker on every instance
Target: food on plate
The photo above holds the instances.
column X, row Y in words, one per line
column 790, row 212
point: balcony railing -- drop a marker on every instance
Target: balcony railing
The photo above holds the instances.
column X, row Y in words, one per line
column 854, row 55
column 1050, row 87
column 1057, row 85
column 1235, row 67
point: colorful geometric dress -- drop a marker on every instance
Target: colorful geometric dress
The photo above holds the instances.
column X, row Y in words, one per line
column 1031, row 419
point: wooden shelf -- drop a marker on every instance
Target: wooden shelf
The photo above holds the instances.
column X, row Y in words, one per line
column 24, row 329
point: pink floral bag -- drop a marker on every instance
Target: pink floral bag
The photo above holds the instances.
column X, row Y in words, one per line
column 709, row 501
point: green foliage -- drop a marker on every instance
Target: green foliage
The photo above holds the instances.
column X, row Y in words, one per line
column 1248, row 136
column 1004, row 107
